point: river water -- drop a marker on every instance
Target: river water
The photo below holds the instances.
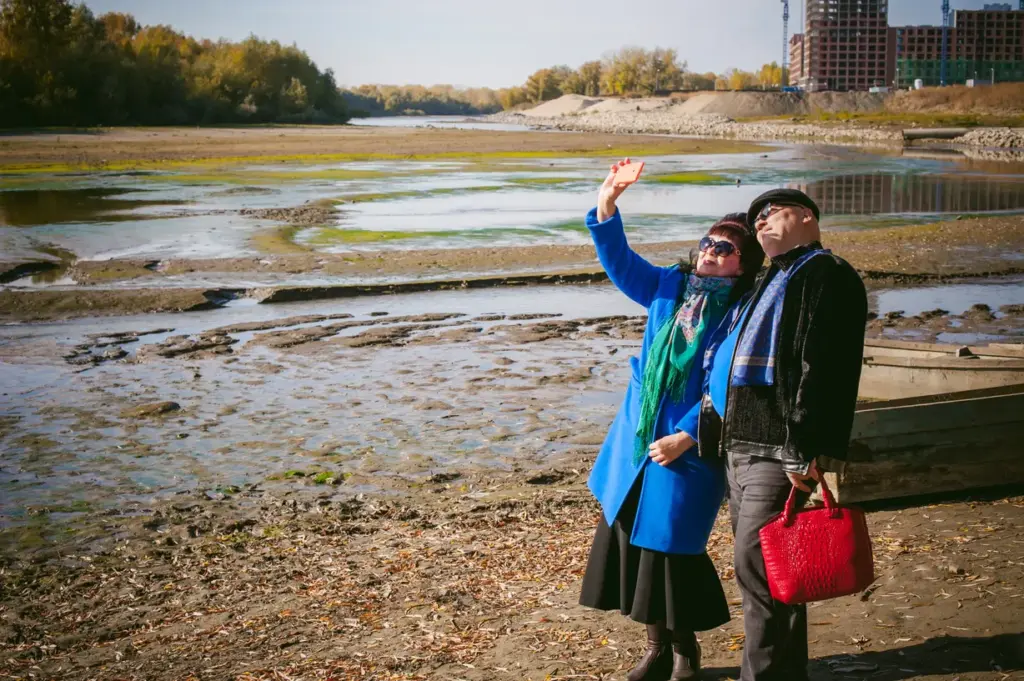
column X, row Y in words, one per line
column 381, row 205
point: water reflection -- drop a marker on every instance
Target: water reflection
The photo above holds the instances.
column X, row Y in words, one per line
column 877, row 193
column 31, row 207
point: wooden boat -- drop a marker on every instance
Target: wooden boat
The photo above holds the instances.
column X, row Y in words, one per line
column 898, row 369
column 937, row 443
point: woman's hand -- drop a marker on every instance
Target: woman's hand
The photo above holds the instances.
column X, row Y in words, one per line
column 669, row 448
column 609, row 193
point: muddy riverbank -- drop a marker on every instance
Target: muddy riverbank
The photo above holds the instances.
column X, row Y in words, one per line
column 143, row 147
column 471, row 578
column 357, row 492
column 955, row 249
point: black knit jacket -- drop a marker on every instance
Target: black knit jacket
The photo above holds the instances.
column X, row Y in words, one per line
column 808, row 412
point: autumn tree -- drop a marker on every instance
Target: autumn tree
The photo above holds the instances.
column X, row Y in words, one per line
column 698, row 81
column 545, row 84
column 60, row 65
column 772, row 76
column 634, row 70
column 586, row 80
column 740, row 80
column 512, row 97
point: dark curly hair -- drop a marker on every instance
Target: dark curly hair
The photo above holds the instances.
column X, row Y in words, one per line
column 735, row 227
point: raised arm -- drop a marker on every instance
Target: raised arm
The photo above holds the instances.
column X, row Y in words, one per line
column 630, row 273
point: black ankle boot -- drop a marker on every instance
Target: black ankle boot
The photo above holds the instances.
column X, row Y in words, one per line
column 685, row 656
column 657, row 660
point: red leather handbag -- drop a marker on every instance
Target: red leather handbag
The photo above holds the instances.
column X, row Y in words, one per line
column 817, row 553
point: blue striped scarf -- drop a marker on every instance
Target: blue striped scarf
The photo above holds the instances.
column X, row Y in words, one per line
column 758, row 347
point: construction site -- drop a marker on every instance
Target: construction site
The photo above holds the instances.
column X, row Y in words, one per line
column 848, row 45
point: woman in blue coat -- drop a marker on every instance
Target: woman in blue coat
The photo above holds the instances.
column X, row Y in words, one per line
column 658, row 496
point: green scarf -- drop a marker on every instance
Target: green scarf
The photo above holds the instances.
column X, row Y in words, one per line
column 674, row 348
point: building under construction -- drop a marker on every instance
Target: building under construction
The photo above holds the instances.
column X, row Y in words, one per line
column 982, row 44
column 843, row 46
column 848, row 45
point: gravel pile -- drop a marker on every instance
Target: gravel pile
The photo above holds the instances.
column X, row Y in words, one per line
column 674, row 120
column 993, row 138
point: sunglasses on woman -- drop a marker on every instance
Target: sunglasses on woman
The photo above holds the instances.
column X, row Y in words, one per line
column 721, row 249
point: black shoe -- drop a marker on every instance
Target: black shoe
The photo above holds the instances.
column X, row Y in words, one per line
column 685, row 656
column 656, row 664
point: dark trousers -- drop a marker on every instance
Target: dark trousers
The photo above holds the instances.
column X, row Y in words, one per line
column 776, row 635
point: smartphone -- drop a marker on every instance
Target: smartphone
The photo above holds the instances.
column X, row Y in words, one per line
column 629, row 173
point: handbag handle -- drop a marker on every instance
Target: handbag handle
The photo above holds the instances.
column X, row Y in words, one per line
column 826, row 494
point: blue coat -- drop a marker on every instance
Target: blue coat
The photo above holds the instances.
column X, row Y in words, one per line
column 679, row 502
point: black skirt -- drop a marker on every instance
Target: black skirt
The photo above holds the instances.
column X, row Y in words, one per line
column 683, row 591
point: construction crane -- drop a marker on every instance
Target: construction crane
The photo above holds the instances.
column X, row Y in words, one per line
column 785, row 39
column 945, row 43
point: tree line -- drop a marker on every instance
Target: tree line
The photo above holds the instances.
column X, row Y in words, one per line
column 636, row 71
column 629, row 71
column 62, row 65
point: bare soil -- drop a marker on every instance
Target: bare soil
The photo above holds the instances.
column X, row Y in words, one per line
column 471, row 578
column 145, row 146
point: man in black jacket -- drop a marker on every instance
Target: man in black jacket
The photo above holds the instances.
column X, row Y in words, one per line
column 783, row 388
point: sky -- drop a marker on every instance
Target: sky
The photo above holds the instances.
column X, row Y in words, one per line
column 493, row 43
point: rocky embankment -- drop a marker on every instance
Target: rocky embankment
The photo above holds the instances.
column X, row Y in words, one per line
column 705, row 116
column 994, row 138
column 666, row 121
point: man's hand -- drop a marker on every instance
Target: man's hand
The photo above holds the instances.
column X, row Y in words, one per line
column 609, row 193
column 669, row 448
column 812, row 474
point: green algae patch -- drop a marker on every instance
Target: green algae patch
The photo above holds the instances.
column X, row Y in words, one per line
column 422, row 193
column 639, row 150
column 692, row 177
column 95, row 271
column 547, row 181
column 328, row 236
column 278, row 241
column 574, row 225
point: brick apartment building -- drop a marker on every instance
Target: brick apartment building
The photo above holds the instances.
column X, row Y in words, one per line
column 844, row 45
column 848, row 45
column 982, row 43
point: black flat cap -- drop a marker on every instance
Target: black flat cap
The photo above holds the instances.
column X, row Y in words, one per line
column 788, row 197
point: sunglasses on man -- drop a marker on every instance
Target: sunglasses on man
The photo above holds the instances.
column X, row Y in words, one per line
column 770, row 209
column 721, row 249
